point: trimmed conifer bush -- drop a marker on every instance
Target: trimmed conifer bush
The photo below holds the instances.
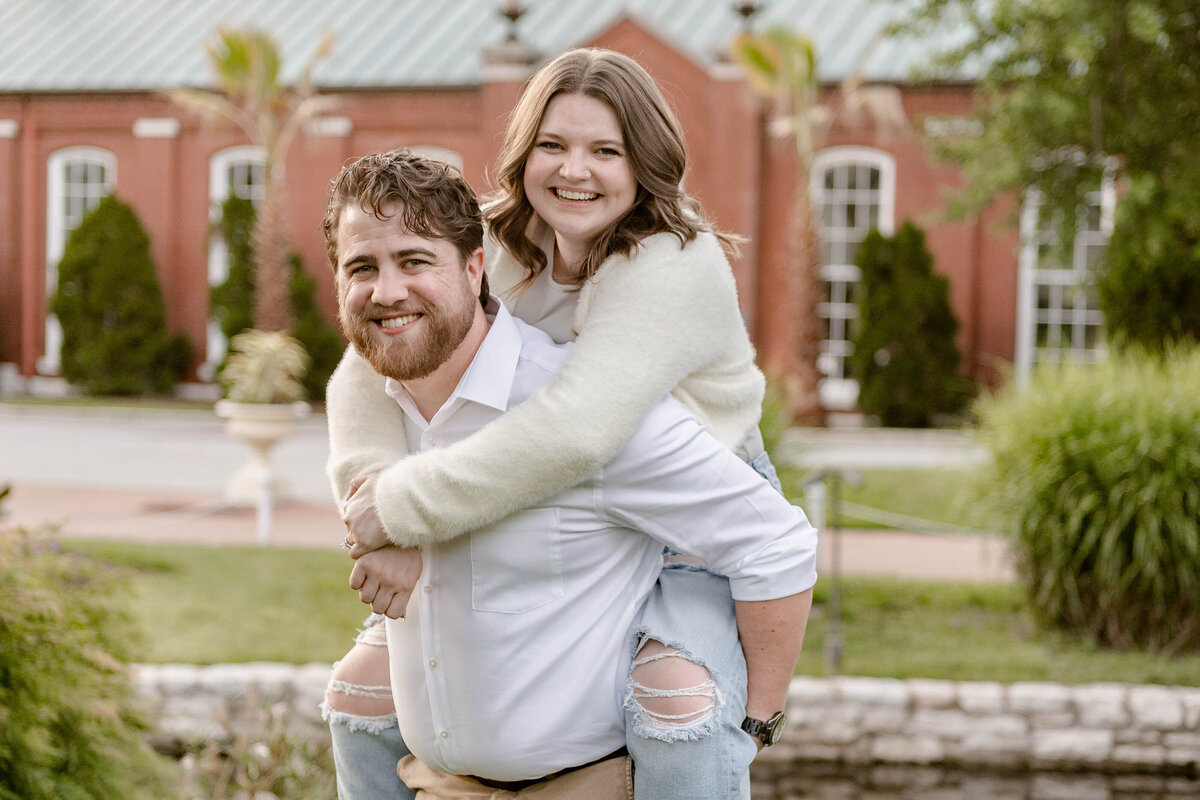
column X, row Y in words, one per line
column 1097, row 473
column 233, row 300
column 905, row 357
column 69, row 725
column 109, row 304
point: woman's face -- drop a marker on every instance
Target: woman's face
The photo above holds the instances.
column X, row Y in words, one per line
column 577, row 176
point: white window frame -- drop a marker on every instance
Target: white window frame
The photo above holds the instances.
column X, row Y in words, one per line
column 1071, row 283
column 59, row 228
column 839, row 392
column 218, row 254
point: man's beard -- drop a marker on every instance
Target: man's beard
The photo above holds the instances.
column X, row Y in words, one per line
column 401, row 357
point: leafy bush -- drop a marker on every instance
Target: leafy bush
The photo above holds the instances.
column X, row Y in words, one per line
column 904, row 354
column 233, row 300
column 1097, row 468
column 69, row 729
column 1149, row 288
column 108, row 301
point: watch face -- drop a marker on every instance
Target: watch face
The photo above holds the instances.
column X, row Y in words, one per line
column 774, row 729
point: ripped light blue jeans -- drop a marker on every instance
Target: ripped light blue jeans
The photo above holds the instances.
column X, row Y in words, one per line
column 704, row 757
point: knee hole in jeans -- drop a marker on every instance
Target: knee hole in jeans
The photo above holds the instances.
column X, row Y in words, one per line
column 360, row 684
column 671, row 691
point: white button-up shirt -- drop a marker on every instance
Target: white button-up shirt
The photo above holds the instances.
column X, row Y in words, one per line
column 512, row 660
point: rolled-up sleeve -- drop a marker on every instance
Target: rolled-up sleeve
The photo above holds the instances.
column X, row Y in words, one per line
column 678, row 484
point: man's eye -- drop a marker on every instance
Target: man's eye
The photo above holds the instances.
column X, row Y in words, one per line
column 359, row 269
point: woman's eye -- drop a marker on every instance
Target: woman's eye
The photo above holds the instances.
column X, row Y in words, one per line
column 610, row 151
column 549, row 145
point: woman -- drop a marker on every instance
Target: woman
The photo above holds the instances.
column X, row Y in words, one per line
column 590, row 238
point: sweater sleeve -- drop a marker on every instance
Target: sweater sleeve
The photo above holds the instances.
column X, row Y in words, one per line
column 649, row 323
column 366, row 426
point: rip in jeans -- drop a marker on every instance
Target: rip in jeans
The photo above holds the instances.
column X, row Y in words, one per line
column 372, row 635
column 645, row 703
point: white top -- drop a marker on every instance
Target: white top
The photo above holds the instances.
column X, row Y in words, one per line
column 547, row 304
column 664, row 320
column 511, row 662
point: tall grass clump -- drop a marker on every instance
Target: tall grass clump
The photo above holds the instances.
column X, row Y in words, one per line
column 1097, row 470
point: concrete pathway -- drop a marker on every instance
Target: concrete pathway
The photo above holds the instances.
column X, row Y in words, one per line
column 159, row 475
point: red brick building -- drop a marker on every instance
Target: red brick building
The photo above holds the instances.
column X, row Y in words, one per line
column 82, row 114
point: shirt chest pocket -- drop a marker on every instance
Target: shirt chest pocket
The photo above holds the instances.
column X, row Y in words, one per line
column 516, row 565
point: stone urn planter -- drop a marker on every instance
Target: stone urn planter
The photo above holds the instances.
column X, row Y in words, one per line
column 260, row 426
column 261, row 407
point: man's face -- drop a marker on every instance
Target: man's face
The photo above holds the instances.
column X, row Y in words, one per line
column 404, row 301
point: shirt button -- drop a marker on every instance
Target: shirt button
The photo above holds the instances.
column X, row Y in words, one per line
column 428, row 589
column 445, row 734
column 433, row 663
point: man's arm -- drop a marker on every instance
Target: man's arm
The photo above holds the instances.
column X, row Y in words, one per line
column 772, row 632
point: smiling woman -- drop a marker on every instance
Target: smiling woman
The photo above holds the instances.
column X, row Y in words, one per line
column 577, row 177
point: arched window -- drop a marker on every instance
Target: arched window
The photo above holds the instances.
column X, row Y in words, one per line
column 77, row 179
column 1058, row 313
column 854, row 192
column 239, row 171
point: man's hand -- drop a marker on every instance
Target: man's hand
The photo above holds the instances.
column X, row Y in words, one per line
column 363, row 527
column 385, row 578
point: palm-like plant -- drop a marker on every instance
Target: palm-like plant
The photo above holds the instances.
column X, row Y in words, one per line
column 247, row 65
column 781, row 66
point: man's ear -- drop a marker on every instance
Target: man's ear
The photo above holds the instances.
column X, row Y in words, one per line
column 474, row 267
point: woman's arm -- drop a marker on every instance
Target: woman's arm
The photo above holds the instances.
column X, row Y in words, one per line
column 650, row 322
column 366, row 427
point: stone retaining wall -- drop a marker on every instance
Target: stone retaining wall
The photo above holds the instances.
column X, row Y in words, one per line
column 1022, row 726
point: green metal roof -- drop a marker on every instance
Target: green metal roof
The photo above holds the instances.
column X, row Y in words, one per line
column 121, row 45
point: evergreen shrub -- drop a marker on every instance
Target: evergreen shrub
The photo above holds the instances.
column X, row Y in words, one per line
column 69, row 725
column 1097, row 473
column 108, row 301
column 233, row 300
column 905, row 357
column 1149, row 287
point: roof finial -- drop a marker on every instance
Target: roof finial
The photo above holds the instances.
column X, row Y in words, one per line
column 747, row 10
column 512, row 12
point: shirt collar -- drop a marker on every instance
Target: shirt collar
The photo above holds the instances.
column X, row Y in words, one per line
column 488, row 378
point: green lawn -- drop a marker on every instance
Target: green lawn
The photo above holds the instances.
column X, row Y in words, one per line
column 209, row 605
column 939, row 495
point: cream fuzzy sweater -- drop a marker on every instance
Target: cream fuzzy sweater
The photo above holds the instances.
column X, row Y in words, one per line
column 664, row 320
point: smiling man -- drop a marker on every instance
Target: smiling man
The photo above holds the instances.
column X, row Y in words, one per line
column 510, row 664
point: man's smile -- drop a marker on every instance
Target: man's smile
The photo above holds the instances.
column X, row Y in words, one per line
column 389, row 323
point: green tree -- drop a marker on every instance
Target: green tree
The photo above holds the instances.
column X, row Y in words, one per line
column 253, row 97
column 1071, row 92
column 904, row 354
column 108, row 300
column 233, row 299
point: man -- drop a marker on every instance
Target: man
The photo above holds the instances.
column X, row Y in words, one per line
column 509, row 664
